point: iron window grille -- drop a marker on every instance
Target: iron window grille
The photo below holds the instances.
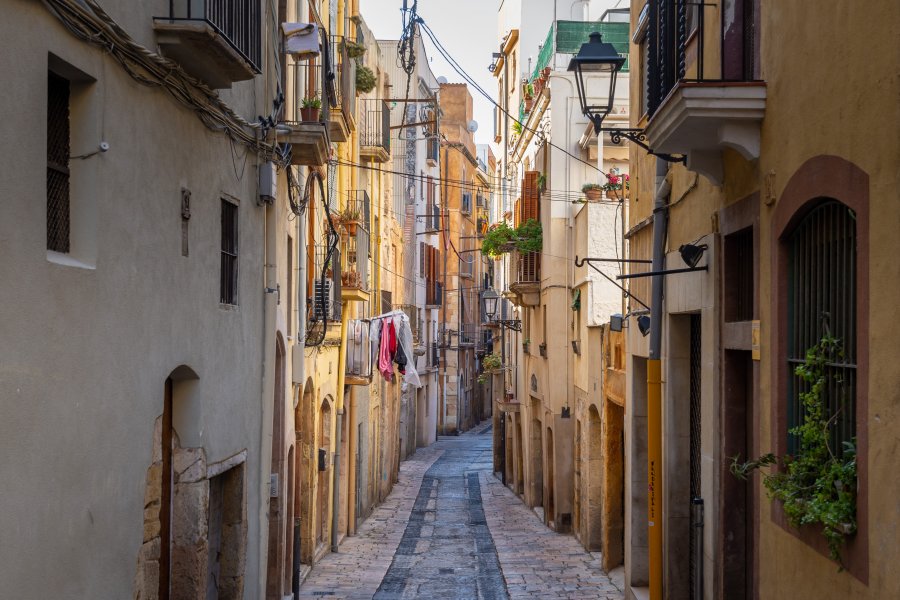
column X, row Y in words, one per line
column 228, row 280
column 822, row 300
column 58, row 153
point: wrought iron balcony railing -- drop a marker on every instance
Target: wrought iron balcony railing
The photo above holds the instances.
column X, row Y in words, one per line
column 375, row 129
column 237, row 21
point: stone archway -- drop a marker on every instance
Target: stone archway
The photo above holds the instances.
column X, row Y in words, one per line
column 550, row 504
column 305, row 422
column 594, row 480
column 194, row 524
column 323, row 485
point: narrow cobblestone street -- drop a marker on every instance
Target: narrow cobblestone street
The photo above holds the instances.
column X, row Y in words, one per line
column 450, row 529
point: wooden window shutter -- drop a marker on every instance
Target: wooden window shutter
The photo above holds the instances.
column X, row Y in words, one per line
column 530, row 197
column 422, row 259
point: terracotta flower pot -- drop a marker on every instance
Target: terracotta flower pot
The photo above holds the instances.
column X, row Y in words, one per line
column 593, row 194
column 350, row 226
column 310, row 114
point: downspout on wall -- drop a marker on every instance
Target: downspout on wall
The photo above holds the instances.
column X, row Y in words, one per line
column 267, row 405
column 654, row 383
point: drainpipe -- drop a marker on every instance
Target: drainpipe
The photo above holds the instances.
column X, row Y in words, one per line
column 267, row 401
column 298, row 346
column 336, row 495
column 654, row 385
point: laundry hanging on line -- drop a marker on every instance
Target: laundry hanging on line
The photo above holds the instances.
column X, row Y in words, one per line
column 390, row 337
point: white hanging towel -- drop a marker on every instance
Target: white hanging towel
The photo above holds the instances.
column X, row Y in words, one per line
column 301, row 39
column 404, row 336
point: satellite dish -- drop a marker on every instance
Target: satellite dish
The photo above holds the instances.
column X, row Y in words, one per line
column 472, row 126
column 442, row 80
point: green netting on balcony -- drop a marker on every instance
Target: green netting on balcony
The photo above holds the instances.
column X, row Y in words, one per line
column 570, row 35
column 545, row 54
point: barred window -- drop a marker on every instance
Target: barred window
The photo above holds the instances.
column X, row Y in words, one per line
column 229, row 273
column 822, row 299
column 58, row 213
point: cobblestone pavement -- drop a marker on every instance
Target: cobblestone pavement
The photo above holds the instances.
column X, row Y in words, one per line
column 449, row 529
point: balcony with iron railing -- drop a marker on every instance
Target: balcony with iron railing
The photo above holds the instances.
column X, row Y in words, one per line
column 217, row 41
column 342, row 118
column 304, row 127
column 359, row 355
column 695, row 108
column 355, row 249
column 374, row 130
column 527, row 281
column 324, row 301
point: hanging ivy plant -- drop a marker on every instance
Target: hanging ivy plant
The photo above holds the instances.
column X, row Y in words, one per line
column 365, row 79
column 818, row 484
column 501, row 238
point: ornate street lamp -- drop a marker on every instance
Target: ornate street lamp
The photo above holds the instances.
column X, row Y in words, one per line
column 596, row 57
column 489, row 299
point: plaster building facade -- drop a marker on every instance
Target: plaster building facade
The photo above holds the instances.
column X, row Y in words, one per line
column 464, row 265
column 415, row 205
column 133, row 249
column 769, row 160
column 562, row 419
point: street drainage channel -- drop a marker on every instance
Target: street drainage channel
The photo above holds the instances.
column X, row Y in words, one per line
column 447, row 550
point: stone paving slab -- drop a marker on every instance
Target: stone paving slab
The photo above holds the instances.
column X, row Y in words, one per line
column 536, row 561
column 450, row 529
column 356, row 571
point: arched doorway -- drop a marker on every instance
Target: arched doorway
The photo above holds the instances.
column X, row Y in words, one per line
column 536, row 451
column 550, row 505
column 594, row 481
column 323, row 464
column 305, row 465
column 279, row 509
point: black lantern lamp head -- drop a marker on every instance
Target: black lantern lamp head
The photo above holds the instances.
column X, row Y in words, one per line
column 643, row 322
column 596, row 57
column 691, row 254
column 489, row 299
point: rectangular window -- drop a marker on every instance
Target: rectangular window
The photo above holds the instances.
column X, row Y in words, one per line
column 229, row 270
column 58, row 145
column 738, row 274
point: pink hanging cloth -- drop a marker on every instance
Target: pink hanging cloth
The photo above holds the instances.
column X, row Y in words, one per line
column 385, row 358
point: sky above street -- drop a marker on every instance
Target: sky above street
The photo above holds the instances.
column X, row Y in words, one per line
column 466, row 28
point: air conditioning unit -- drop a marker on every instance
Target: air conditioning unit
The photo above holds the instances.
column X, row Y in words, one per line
column 323, row 299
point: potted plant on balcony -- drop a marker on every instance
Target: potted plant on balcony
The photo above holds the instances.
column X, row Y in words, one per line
column 592, row 191
column 492, row 362
column 350, row 219
column 335, row 221
column 354, row 50
column 309, row 109
column 365, row 79
column 351, row 279
column 615, row 183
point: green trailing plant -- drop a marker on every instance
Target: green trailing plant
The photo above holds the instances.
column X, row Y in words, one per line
column 350, row 215
column 529, row 90
column 501, row 238
column 365, row 79
column 311, row 102
column 591, row 186
column 817, row 485
column 492, row 362
column 483, row 378
column 354, row 50
column 517, row 128
column 542, row 182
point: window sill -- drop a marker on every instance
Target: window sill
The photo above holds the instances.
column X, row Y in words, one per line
column 66, row 260
column 229, row 307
